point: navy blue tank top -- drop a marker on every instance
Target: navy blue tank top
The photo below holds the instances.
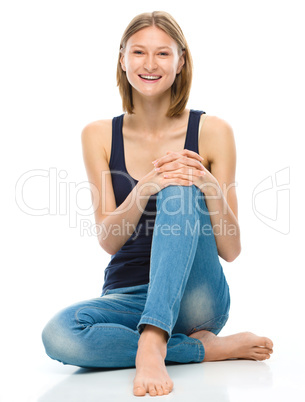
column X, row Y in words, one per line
column 130, row 265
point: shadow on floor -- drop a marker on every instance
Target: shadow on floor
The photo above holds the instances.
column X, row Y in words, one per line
column 204, row 381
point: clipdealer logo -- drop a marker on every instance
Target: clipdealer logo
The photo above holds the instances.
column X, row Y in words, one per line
column 271, row 201
column 59, row 197
column 40, row 192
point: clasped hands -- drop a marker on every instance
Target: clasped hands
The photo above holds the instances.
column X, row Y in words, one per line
column 185, row 168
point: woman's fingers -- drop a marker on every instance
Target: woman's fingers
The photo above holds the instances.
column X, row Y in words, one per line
column 176, row 155
column 189, row 153
column 184, row 172
column 182, row 163
column 190, row 175
column 179, row 168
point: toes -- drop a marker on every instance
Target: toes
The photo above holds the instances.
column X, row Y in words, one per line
column 166, row 390
column 262, row 350
column 159, row 389
column 152, row 390
column 170, row 385
column 266, row 356
column 267, row 343
column 261, row 356
column 139, row 390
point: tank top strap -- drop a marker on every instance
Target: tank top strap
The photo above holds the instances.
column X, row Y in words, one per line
column 117, row 146
column 191, row 141
column 117, row 161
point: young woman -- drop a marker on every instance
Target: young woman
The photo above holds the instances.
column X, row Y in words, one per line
column 162, row 181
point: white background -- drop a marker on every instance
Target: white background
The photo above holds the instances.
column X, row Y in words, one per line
column 58, row 73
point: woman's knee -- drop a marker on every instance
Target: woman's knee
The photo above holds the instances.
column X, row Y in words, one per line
column 177, row 199
column 58, row 338
column 52, row 339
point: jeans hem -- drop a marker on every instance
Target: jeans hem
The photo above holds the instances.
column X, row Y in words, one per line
column 155, row 322
column 201, row 351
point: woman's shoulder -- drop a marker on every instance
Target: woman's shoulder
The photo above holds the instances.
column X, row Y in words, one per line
column 98, row 135
column 97, row 128
column 215, row 123
column 216, row 136
column 215, row 127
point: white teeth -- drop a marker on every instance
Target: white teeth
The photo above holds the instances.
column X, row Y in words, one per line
column 150, row 77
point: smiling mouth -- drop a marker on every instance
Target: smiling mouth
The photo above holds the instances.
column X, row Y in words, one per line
column 150, row 77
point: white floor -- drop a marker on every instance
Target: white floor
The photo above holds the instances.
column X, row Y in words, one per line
column 279, row 379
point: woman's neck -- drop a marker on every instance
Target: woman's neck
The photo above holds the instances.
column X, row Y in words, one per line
column 150, row 114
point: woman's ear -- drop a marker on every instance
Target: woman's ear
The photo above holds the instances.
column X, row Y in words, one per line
column 122, row 62
column 181, row 62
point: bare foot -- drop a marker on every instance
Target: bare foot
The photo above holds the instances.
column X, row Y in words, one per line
column 244, row 345
column 151, row 374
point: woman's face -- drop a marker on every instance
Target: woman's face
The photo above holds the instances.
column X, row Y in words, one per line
column 151, row 61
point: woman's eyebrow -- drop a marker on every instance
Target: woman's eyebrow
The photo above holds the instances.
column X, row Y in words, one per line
column 159, row 47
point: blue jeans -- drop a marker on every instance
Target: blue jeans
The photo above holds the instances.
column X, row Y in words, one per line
column 187, row 292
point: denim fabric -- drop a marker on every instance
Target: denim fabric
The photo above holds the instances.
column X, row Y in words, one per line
column 187, row 292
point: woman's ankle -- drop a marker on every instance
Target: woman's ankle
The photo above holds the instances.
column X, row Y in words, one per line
column 154, row 334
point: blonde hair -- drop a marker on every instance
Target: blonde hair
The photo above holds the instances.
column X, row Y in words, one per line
column 181, row 87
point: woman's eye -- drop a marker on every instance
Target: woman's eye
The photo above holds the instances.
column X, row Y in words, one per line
column 163, row 54
column 137, row 52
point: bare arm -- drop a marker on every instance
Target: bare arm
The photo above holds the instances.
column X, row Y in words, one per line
column 116, row 224
column 221, row 198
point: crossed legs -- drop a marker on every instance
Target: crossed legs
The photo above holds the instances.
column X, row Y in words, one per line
column 173, row 319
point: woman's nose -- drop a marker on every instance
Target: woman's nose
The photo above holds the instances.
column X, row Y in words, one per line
column 150, row 63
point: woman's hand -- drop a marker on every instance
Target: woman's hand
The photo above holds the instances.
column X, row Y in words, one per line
column 180, row 168
column 192, row 169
